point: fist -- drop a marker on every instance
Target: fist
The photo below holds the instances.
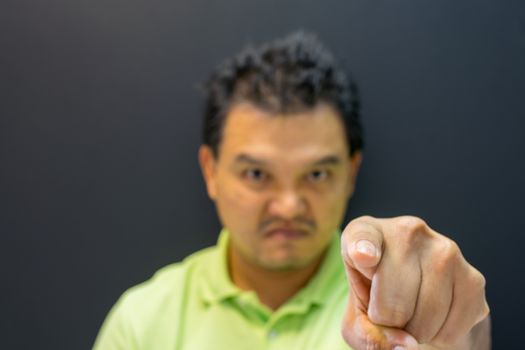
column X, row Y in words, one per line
column 409, row 285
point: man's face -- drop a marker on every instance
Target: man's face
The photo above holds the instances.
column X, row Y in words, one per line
column 280, row 183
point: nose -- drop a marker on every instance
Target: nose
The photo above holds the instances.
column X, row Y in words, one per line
column 287, row 205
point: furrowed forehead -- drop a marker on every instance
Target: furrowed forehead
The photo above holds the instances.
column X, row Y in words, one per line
column 254, row 136
column 327, row 160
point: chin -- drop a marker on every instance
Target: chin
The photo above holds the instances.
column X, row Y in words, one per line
column 285, row 263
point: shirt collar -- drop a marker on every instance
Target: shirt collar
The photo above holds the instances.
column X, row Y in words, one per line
column 330, row 273
column 216, row 284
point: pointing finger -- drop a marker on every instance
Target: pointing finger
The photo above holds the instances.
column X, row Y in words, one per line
column 362, row 244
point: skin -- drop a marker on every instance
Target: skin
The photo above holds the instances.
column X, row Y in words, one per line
column 410, row 287
column 281, row 184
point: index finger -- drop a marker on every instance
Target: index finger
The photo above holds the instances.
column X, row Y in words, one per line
column 362, row 245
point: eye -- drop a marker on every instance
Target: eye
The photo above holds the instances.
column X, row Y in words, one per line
column 318, row 175
column 255, row 175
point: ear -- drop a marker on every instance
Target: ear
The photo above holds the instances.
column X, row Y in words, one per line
column 354, row 164
column 207, row 163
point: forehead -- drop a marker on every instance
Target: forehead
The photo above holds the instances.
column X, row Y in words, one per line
column 304, row 135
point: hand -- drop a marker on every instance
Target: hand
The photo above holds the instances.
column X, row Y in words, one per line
column 409, row 285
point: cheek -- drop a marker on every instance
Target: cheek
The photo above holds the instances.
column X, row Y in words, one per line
column 237, row 206
column 330, row 209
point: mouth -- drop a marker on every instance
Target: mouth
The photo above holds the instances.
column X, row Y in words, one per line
column 286, row 233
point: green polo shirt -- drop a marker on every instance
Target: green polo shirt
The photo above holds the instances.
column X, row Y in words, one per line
column 193, row 305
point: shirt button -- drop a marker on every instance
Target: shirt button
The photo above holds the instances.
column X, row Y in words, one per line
column 272, row 334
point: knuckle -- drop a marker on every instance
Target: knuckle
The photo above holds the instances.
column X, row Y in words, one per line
column 476, row 282
column 410, row 227
column 366, row 218
column 447, row 254
column 422, row 334
column 411, row 223
column 451, row 249
column 361, row 220
column 485, row 311
column 361, row 229
column 393, row 315
column 362, row 223
column 479, row 284
column 355, row 224
column 482, row 281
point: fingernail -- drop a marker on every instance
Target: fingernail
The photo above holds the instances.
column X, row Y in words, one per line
column 399, row 347
column 366, row 247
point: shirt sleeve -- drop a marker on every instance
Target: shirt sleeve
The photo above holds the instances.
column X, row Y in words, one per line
column 116, row 332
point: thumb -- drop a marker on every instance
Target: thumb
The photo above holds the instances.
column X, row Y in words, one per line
column 360, row 333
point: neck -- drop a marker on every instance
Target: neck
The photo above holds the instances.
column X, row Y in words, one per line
column 273, row 287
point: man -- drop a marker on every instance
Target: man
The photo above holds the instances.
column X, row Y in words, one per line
column 281, row 153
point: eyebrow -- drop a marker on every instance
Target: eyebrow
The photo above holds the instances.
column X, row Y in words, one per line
column 244, row 158
column 326, row 160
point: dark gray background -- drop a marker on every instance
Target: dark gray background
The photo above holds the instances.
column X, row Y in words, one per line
column 100, row 124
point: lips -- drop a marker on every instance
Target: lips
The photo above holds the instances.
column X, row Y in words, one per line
column 286, row 233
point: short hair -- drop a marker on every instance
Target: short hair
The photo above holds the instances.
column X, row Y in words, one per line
column 287, row 75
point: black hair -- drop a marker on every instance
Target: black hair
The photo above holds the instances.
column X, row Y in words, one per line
column 284, row 76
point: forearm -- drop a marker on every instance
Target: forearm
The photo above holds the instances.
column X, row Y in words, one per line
column 478, row 339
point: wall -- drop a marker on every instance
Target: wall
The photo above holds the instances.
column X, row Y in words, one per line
column 100, row 124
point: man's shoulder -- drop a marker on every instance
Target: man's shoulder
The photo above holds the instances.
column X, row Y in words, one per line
column 146, row 315
column 168, row 285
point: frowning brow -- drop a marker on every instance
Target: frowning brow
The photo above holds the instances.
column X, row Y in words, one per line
column 326, row 160
column 245, row 158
